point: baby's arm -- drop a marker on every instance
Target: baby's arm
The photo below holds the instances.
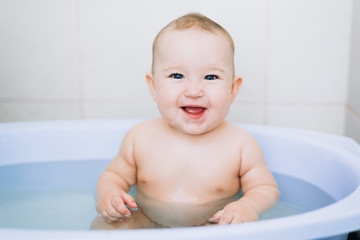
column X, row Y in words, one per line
column 115, row 182
column 258, row 185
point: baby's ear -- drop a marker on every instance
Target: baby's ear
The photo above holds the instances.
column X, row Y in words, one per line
column 236, row 85
column 151, row 84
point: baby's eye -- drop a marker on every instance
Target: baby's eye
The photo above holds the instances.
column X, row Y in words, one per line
column 177, row 76
column 211, row 77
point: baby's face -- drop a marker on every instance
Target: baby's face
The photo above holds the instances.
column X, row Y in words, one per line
column 193, row 79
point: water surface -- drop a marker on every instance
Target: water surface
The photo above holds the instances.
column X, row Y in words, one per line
column 61, row 195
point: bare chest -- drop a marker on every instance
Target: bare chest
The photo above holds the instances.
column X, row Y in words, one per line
column 188, row 173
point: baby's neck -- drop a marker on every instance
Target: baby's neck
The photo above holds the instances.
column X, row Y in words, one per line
column 182, row 134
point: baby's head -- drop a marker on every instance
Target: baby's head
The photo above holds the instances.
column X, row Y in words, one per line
column 192, row 78
column 192, row 21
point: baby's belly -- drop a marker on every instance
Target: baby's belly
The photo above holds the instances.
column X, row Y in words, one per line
column 190, row 211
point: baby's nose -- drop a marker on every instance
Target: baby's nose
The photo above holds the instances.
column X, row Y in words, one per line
column 193, row 88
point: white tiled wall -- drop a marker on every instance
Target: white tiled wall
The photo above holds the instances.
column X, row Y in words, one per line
column 353, row 109
column 308, row 64
column 70, row 59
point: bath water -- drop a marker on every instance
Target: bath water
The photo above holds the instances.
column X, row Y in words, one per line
column 61, row 195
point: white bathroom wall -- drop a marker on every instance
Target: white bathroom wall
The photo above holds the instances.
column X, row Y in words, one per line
column 353, row 109
column 308, row 64
column 74, row 59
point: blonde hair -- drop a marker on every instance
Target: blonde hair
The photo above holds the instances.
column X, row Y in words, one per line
column 193, row 20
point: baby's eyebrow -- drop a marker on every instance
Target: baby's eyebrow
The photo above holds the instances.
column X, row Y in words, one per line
column 207, row 69
column 216, row 69
column 172, row 68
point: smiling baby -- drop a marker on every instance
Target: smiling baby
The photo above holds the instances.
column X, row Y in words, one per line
column 190, row 164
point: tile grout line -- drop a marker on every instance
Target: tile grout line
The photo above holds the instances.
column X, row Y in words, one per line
column 352, row 111
column 266, row 64
column 80, row 62
column 116, row 101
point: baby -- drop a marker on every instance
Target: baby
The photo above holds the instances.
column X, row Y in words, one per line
column 190, row 164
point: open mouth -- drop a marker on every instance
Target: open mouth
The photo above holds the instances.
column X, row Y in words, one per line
column 194, row 112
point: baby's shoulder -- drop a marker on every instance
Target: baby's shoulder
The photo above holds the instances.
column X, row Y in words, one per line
column 145, row 128
column 236, row 132
column 236, row 129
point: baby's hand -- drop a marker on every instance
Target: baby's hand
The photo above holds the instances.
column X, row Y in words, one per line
column 112, row 205
column 235, row 212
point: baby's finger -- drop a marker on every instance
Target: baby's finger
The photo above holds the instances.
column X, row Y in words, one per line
column 129, row 200
column 103, row 210
column 113, row 213
column 238, row 219
column 104, row 214
column 226, row 219
column 217, row 216
column 119, row 206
